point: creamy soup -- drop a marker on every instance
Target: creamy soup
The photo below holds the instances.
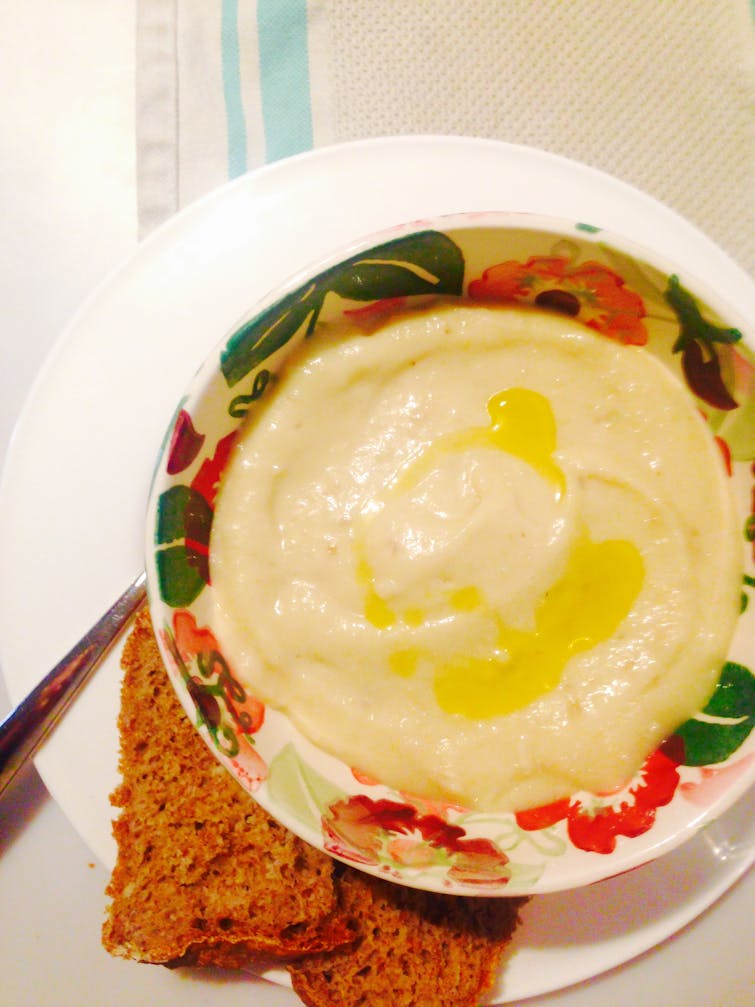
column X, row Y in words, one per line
column 480, row 554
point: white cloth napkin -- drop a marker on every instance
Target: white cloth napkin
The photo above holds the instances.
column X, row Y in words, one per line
column 659, row 93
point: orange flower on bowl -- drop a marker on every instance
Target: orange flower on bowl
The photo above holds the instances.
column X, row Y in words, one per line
column 591, row 292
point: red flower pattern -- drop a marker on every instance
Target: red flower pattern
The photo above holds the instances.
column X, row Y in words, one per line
column 193, row 643
column 365, row 831
column 376, row 312
column 230, row 714
column 590, row 292
column 596, row 831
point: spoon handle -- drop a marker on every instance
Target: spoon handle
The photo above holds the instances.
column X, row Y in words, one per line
column 26, row 727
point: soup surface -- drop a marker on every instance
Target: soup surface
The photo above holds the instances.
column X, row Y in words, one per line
column 480, row 554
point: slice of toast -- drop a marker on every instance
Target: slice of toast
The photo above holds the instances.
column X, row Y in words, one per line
column 411, row 948
column 203, row 874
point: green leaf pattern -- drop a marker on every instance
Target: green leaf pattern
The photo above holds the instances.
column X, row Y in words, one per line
column 724, row 725
column 182, row 537
column 424, row 263
column 299, row 789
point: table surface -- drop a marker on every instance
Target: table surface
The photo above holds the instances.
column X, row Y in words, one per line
column 67, row 190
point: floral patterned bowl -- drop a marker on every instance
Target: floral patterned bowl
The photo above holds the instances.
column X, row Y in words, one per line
column 623, row 293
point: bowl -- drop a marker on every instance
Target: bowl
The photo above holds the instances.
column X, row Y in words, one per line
column 626, row 294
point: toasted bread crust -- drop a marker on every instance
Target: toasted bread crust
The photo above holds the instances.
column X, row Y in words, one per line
column 203, row 873
column 410, row 949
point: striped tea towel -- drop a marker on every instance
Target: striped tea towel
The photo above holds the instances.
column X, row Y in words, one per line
column 660, row 93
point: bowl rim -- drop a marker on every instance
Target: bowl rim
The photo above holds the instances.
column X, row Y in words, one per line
column 494, row 220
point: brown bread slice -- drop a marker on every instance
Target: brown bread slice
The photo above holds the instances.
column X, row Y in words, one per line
column 411, row 949
column 205, row 877
column 203, row 874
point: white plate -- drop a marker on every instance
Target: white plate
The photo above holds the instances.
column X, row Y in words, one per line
column 77, row 473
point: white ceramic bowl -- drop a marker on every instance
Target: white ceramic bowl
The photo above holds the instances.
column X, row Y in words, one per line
column 624, row 293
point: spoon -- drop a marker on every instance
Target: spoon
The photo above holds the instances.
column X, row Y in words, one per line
column 27, row 726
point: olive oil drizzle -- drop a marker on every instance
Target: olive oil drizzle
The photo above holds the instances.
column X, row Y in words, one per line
column 584, row 607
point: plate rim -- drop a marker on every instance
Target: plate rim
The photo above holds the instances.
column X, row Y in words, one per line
column 274, row 176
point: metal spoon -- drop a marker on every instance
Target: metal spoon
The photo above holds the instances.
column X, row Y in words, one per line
column 26, row 727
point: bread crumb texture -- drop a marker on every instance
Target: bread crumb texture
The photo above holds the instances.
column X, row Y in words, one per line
column 410, row 948
column 203, row 873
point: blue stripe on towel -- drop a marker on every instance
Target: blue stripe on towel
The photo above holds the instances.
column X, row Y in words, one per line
column 284, row 77
column 234, row 106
